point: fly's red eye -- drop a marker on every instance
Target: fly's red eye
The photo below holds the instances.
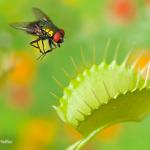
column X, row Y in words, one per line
column 56, row 37
column 62, row 32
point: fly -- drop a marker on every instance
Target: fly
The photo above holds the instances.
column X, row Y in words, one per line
column 44, row 29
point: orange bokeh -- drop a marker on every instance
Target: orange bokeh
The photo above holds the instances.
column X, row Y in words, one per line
column 140, row 58
column 24, row 68
column 143, row 60
column 110, row 133
column 37, row 134
column 73, row 134
column 123, row 10
column 20, row 96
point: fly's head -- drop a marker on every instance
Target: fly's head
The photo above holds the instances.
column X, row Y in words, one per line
column 59, row 36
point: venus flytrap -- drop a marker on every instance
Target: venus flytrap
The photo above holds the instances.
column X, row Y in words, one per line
column 103, row 95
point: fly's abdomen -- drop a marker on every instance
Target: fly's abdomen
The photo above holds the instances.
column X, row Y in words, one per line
column 34, row 29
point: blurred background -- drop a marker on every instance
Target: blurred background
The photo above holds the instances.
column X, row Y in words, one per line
column 27, row 119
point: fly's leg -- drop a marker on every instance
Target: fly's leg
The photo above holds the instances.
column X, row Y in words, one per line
column 38, row 47
column 51, row 43
column 31, row 43
column 41, row 56
column 43, row 46
column 36, row 41
column 58, row 45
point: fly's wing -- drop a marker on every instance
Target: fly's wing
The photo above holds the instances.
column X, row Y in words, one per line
column 29, row 27
column 40, row 15
column 22, row 26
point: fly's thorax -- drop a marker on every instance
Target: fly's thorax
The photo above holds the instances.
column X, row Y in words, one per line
column 49, row 31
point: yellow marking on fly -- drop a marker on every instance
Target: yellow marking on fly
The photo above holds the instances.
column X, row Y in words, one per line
column 49, row 31
column 46, row 45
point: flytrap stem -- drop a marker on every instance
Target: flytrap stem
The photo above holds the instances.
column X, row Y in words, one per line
column 81, row 143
